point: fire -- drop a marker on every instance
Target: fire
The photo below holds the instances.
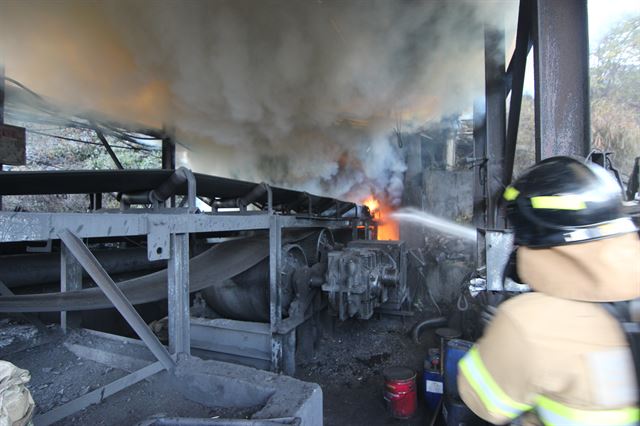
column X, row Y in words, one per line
column 387, row 227
column 372, row 204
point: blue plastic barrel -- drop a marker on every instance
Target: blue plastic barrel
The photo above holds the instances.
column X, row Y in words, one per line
column 456, row 349
column 433, row 388
column 455, row 413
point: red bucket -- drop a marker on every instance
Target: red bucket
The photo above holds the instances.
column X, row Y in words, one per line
column 400, row 391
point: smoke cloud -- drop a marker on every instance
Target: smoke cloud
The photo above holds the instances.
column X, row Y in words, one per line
column 303, row 94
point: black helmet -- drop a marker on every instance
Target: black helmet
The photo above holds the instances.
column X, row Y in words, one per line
column 562, row 201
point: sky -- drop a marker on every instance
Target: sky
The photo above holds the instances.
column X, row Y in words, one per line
column 603, row 15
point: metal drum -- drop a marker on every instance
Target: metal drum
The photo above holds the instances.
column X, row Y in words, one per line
column 400, row 391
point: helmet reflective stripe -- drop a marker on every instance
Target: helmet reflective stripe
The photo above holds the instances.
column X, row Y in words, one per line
column 492, row 396
column 511, row 193
column 553, row 202
column 558, row 202
column 615, row 227
column 553, row 413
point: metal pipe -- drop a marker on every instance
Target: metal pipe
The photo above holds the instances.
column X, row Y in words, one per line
column 344, row 208
column 256, row 193
column 165, row 190
column 132, row 198
column 170, row 186
column 417, row 329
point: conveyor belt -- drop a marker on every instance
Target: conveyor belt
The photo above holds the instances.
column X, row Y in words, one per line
column 217, row 264
column 132, row 181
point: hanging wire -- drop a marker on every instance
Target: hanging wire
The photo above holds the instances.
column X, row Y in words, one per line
column 42, row 111
column 133, row 148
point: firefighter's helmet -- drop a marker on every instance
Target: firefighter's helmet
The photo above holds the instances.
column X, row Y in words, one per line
column 563, row 201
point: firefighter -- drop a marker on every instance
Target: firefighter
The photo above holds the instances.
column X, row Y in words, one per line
column 554, row 353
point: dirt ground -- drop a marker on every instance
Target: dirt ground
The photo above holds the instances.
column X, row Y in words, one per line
column 348, row 366
column 58, row 376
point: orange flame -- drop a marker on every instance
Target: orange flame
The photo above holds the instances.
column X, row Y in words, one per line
column 387, row 227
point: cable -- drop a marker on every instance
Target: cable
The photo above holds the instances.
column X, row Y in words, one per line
column 22, row 86
column 133, row 148
column 105, row 127
column 462, row 304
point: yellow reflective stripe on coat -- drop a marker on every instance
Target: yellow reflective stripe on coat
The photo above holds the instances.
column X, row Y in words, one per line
column 558, row 202
column 489, row 392
column 553, row 413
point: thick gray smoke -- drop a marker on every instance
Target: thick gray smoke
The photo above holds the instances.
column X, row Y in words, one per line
column 305, row 94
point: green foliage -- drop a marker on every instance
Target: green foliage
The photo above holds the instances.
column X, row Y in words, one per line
column 615, row 70
column 48, row 153
column 615, row 100
column 615, row 93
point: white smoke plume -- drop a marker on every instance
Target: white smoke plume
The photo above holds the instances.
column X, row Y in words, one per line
column 303, row 94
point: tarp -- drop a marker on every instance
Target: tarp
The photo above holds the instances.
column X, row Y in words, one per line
column 16, row 403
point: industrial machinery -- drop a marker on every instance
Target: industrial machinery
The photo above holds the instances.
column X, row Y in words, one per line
column 366, row 275
column 240, row 280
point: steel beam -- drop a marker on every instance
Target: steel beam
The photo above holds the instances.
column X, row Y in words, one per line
column 289, row 353
column 70, row 280
column 115, row 295
column 21, row 226
column 516, row 73
column 238, row 338
column 561, row 66
column 95, row 201
column 2, row 90
column 480, row 176
column 275, row 296
column 169, row 163
column 178, row 299
column 495, row 124
column 499, row 246
column 168, row 154
column 96, row 396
